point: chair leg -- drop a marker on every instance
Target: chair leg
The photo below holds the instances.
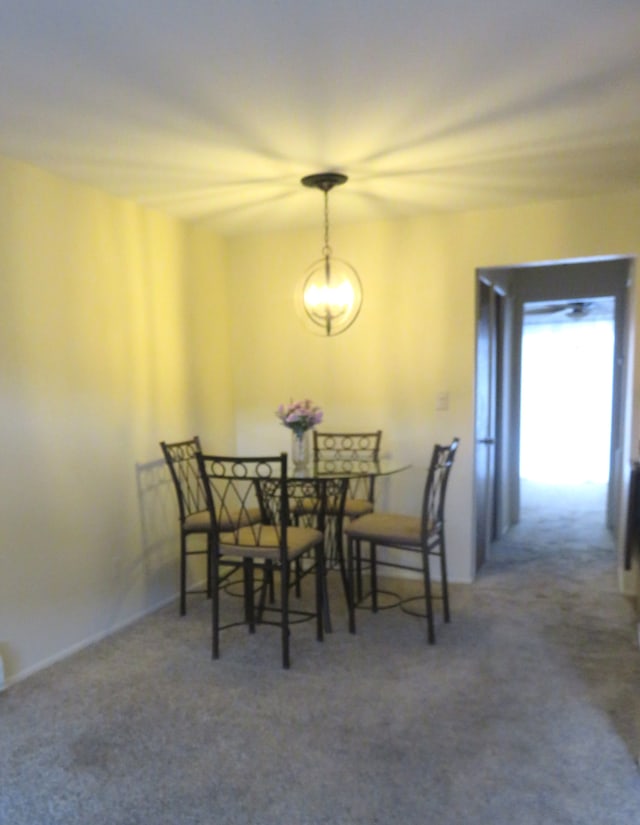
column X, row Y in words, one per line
column 359, row 571
column 271, row 583
column 183, row 574
column 445, row 581
column 266, row 584
column 374, row 577
column 215, row 606
column 339, row 551
column 298, row 577
column 322, row 598
column 350, row 585
column 249, row 610
column 284, row 597
column 326, row 612
column 209, row 554
column 336, row 552
column 431, row 636
column 297, row 564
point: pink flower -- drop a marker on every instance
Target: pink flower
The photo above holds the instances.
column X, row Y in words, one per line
column 300, row 416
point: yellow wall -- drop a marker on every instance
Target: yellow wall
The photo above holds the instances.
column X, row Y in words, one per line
column 415, row 334
column 120, row 327
column 101, row 304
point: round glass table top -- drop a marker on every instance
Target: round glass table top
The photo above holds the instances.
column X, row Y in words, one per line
column 348, row 468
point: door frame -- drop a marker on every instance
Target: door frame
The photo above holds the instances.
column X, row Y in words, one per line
column 557, row 280
column 488, row 422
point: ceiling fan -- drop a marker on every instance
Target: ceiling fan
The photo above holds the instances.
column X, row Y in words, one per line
column 573, row 309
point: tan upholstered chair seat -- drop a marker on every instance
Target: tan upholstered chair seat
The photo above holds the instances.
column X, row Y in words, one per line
column 391, row 527
column 197, row 522
column 382, row 527
column 305, row 506
column 200, row 522
column 357, row 507
column 353, row 507
column 264, row 541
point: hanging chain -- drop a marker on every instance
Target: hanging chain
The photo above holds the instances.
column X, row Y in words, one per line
column 326, row 249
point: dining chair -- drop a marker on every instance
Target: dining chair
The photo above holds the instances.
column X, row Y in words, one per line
column 234, row 487
column 318, row 502
column 192, row 508
column 193, row 514
column 423, row 535
column 350, row 450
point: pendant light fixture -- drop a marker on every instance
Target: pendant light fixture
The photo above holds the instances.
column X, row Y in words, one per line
column 330, row 295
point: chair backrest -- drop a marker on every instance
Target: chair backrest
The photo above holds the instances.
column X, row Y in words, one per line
column 436, row 487
column 346, row 445
column 236, row 485
column 183, row 466
column 310, row 500
column 232, row 492
column 350, row 448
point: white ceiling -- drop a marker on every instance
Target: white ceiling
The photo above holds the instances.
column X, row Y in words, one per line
column 213, row 110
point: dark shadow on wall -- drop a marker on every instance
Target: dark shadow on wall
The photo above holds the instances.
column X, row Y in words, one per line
column 160, row 534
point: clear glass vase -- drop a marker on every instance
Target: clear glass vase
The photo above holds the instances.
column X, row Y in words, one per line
column 300, row 449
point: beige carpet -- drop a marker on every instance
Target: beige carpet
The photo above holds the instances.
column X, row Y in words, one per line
column 527, row 711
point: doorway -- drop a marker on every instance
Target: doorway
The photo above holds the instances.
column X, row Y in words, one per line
column 566, row 391
column 566, row 410
column 498, row 448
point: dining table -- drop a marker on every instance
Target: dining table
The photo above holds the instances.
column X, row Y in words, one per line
column 333, row 469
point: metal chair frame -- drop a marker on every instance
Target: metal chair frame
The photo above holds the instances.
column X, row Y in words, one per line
column 234, row 485
column 350, row 449
column 181, row 460
column 429, row 541
column 180, row 457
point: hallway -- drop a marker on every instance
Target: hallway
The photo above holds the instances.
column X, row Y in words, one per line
column 570, row 516
column 561, row 538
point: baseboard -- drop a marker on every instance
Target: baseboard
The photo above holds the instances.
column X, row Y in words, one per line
column 81, row 645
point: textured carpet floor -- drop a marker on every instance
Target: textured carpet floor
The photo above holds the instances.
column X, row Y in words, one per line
column 526, row 711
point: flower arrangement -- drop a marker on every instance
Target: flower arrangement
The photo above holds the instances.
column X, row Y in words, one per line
column 299, row 416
